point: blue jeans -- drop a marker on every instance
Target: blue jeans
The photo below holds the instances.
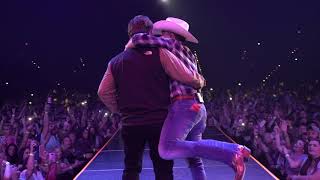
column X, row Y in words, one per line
column 181, row 137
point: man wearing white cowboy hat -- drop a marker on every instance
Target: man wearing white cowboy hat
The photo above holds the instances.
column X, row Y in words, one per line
column 181, row 135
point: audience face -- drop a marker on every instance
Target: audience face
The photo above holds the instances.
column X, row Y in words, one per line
column 268, row 138
column 67, row 142
column 51, row 126
column 303, row 121
column 250, row 125
column 261, row 130
column 303, row 114
column 302, row 129
column 314, row 148
column 56, row 128
column 313, row 134
column 15, row 126
column 66, row 127
column 298, row 147
column 305, row 137
column 26, row 153
column 85, row 134
column 44, row 156
column 58, row 153
column 92, row 130
column 6, row 130
column 73, row 137
column 12, row 150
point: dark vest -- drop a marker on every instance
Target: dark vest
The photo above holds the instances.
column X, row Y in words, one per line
column 142, row 87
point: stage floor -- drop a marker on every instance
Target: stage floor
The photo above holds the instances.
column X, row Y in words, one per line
column 108, row 165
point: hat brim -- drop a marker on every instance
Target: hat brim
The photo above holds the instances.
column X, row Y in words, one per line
column 164, row 25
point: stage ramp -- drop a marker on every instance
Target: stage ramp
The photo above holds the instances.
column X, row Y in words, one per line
column 108, row 164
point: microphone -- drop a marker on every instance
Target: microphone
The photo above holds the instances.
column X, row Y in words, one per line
column 198, row 63
column 199, row 94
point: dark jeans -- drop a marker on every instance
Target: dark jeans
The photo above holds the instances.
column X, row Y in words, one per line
column 134, row 139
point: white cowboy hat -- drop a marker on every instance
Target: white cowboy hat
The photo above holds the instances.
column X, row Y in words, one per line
column 177, row 26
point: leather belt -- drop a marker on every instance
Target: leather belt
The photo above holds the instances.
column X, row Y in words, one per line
column 183, row 97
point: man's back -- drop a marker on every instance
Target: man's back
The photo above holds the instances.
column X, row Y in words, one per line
column 142, row 86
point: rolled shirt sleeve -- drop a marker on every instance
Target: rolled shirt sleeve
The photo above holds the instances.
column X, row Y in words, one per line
column 176, row 70
column 107, row 91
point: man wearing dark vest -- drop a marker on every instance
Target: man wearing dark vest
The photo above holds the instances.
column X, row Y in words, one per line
column 136, row 85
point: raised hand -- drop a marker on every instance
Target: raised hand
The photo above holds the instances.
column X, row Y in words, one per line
column 47, row 107
column 276, row 129
column 284, row 126
column 23, row 109
column 285, row 150
column 33, row 144
column 13, row 111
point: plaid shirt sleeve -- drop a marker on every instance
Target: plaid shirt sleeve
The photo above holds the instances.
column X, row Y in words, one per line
column 145, row 40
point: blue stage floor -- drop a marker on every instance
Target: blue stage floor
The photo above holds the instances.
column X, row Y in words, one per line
column 108, row 165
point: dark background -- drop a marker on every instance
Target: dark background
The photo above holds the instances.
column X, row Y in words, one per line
column 61, row 36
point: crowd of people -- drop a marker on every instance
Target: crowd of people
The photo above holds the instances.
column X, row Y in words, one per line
column 280, row 126
column 53, row 137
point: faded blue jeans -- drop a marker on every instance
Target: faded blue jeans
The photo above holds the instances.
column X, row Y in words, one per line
column 181, row 137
